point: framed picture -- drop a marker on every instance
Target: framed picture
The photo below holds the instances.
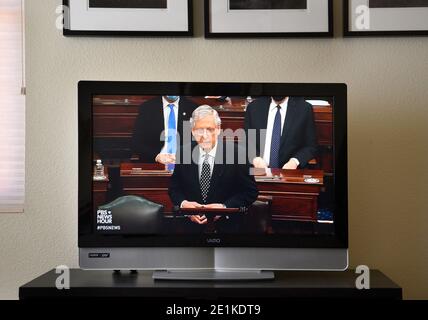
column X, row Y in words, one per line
column 385, row 18
column 268, row 18
column 128, row 18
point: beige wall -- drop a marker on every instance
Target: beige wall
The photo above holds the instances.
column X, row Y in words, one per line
column 388, row 117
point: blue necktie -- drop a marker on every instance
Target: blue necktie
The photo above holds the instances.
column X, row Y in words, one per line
column 276, row 140
column 172, row 135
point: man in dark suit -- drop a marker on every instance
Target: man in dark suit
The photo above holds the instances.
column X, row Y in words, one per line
column 160, row 114
column 214, row 175
column 284, row 130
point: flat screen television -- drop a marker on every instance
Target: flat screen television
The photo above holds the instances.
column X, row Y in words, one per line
column 153, row 194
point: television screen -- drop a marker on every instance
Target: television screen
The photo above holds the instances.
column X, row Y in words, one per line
column 259, row 164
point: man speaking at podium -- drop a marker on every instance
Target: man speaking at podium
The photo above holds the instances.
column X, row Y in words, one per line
column 216, row 175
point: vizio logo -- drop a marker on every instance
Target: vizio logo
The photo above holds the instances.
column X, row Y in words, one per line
column 213, row 240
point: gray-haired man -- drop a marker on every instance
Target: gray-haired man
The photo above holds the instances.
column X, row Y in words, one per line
column 214, row 178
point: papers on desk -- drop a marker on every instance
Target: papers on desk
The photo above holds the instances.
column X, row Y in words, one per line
column 262, row 175
column 321, row 103
column 267, row 179
column 311, row 180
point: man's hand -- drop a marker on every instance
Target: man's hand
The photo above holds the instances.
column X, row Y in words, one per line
column 165, row 158
column 290, row 165
column 199, row 219
column 189, row 204
column 259, row 163
column 195, row 218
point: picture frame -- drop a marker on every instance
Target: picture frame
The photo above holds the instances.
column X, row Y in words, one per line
column 248, row 18
column 385, row 18
column 128, row 18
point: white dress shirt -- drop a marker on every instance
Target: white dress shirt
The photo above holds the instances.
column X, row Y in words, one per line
column 271, row 120
column 166, row 113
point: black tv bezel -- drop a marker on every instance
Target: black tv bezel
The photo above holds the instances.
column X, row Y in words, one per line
column 87, row 89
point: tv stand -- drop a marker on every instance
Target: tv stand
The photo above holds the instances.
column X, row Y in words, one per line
column 213, row 275
column 287, row 284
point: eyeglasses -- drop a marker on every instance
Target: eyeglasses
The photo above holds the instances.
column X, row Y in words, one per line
column 203, row 131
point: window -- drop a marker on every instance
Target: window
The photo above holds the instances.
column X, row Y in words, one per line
column 12, row 107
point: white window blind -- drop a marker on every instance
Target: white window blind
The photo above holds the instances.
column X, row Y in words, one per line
column 12, row 107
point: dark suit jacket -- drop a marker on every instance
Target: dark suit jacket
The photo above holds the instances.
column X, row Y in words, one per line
column 146, row 142
column 230, row 184
column 298, row 138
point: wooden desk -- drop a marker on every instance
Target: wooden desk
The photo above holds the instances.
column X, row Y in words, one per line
column 294, row 195
column 293, row 198
column 150, row 181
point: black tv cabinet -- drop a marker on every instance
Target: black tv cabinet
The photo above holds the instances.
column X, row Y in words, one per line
column 287, row 285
